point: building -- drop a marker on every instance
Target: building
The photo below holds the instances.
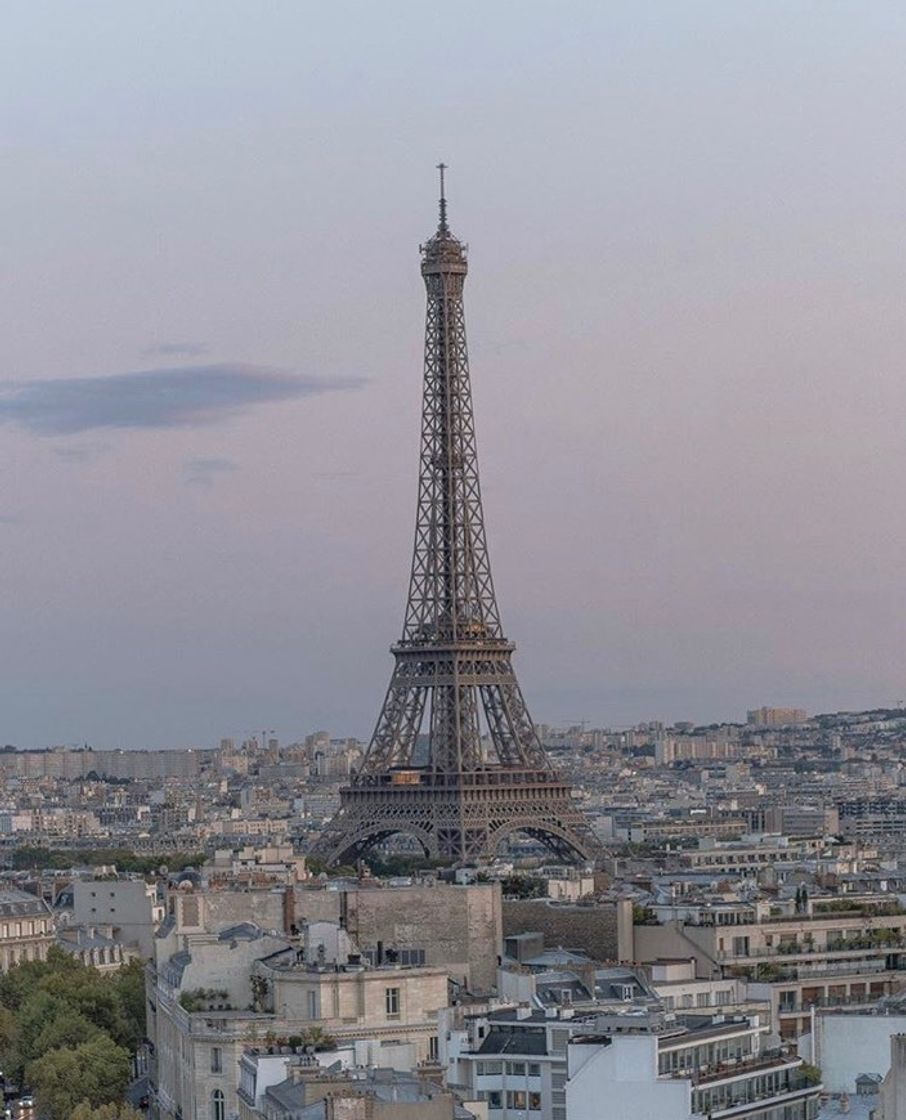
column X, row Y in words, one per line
column 524, row 1063
column 892, row 1096
column 26, row 928
column 311, row 1092
column 847, row 1043
column 328, row 985
column 775, row 717
column 130, row 907
column 212, row 994
column 458, row 927
column 697, row 1067
column 835, row 951
column 95, row 947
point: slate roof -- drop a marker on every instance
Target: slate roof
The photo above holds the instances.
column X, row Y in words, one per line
column 514, row 1042
column 16, row 904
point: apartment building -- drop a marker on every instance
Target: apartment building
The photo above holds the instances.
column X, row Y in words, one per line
column 845, row 950
column 26, row 928
column 311, row 1091
column 522, row 1064
column 697, row 1067
column 211, row 994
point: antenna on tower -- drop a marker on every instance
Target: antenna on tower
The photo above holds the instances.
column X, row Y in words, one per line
column 443, row 227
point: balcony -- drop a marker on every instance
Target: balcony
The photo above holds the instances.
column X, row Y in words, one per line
column 724, row 1071
column 735, row 1089
column 849, row 947
column 802, row 1007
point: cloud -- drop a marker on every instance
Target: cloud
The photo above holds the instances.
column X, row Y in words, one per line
column 156, row 398
column 203, row 472
column 10, row 519
column 175, row 350
column 81, row 452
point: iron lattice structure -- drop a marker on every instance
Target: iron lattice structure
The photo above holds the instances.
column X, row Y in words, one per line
column 453, row 664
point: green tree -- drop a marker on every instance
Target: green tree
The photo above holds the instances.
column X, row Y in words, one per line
column 86, row 1111
column 22, row 980
column 68, row 1028
column 61, row 1003
column 38, row 1017
column 129, row 988
column 96, row 1072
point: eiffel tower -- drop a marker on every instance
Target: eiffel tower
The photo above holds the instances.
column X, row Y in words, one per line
column 453, row 671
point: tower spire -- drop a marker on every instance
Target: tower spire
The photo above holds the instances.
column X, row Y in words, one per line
column 442, row 226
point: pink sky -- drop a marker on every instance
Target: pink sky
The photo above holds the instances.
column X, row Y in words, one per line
column 687, row 326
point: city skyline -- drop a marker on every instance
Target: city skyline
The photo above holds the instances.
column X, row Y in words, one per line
column 686, row 328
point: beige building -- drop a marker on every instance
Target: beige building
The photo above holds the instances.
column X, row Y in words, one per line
column 775, row 717
column 26, row 928
column 212, row 993
column 841, row 951
column 455, row 926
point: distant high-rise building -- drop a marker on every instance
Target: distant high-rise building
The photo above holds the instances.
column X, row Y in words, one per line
column 776, row 717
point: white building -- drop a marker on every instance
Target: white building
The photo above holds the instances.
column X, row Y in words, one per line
column 698, row 1067
column 846, row 1044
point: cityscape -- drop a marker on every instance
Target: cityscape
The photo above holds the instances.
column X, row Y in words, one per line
column 481, row 910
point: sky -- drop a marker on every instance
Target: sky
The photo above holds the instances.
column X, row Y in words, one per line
column 687, row 329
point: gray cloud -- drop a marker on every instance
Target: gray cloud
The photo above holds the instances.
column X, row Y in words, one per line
column 175, row 350
column 81, row 452
column 10, row 519
column 157, row 398
column 203, row 472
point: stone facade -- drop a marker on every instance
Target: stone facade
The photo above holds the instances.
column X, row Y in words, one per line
column 458, row 927
column 26, row 928
column 591, row 928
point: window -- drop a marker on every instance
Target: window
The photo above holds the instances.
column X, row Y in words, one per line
column 392, row 1001
column 412, row 956
column 216, row 1060
column 432, row 1048
column 534, row 1070
column 312, row 1003
column 515, row 1099
column 534, row 1101
column 495, row 1099
column 702, row 999
column 218, row 1105
column 489, row 1069
column 515, row 1069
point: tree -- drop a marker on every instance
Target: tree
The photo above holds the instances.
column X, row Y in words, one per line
column 86, row 1111
column 96, row 1072
column 22, row 980
column 129, row 987
column 50, row 1010
column 68, row 1028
